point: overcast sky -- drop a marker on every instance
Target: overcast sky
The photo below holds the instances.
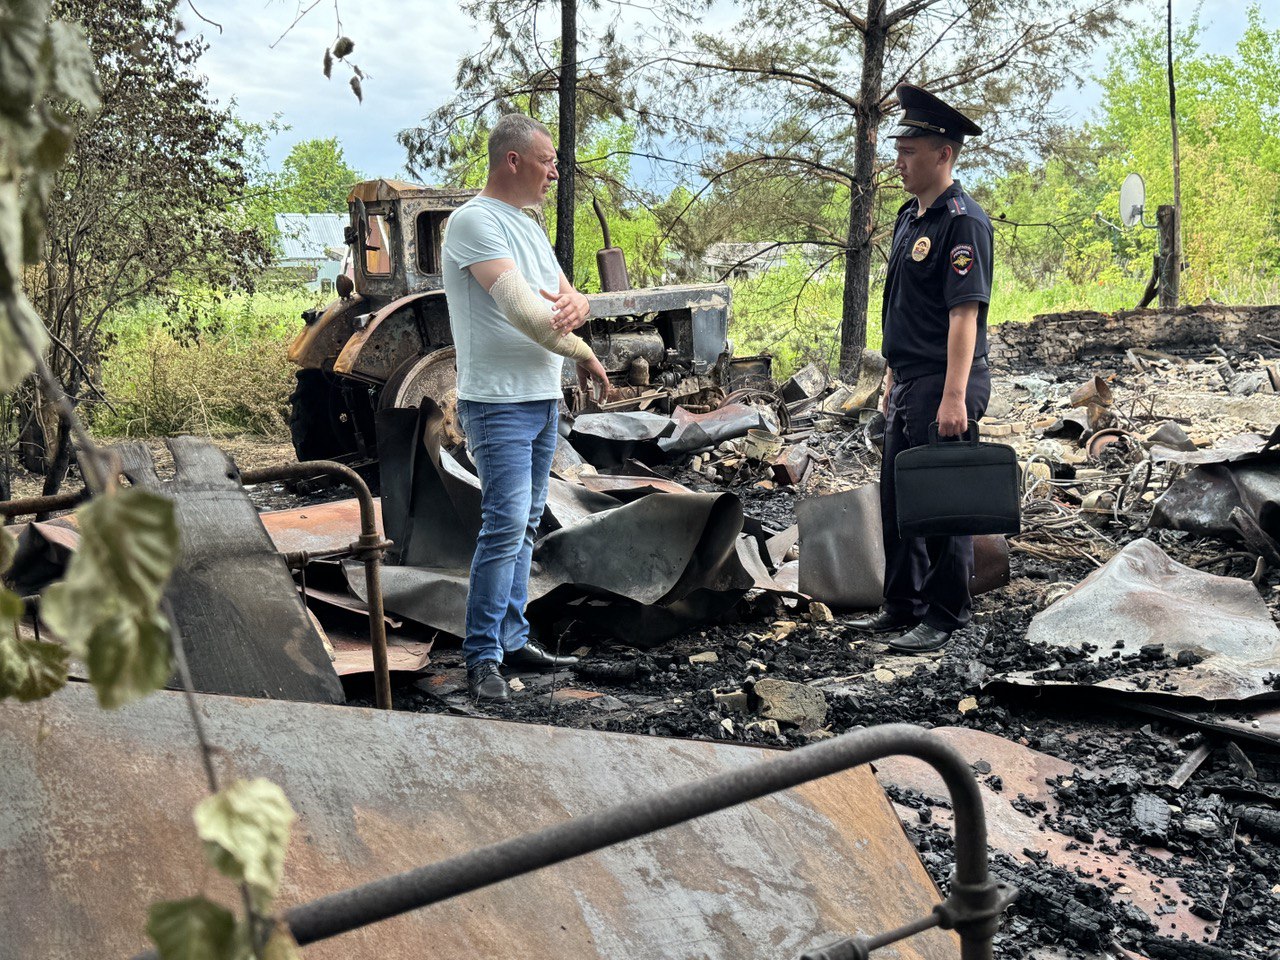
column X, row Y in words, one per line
column 411, row 50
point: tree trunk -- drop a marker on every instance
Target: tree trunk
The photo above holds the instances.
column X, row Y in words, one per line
column 58, row 460
column 568, row 134
column 862, row 196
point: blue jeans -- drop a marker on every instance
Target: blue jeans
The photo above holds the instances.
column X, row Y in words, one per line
column 512, row 445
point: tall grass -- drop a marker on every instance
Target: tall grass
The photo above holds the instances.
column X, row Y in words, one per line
column 211, row 364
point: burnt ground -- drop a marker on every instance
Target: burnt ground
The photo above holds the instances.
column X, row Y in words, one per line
column 1230, row 866
column 1116, row 754
column 1230, row 876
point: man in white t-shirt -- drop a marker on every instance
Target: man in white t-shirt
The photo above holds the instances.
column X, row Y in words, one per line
column 512, row 311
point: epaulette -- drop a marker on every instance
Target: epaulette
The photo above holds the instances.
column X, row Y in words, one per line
column 957, row 207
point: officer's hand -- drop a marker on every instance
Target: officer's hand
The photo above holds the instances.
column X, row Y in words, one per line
column 592, row 376
column 568, row 310
column 953, row 419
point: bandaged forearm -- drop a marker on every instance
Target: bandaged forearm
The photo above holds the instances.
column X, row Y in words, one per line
column 531, row 315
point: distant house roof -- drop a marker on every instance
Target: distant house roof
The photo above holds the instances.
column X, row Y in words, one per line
column 310, row 236
column 761, row 255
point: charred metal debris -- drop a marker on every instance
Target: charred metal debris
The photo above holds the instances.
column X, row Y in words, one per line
column 1117, row 696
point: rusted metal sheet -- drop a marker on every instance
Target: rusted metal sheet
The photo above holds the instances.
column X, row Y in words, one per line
column 570, row 503
column 693, row 431
column 842, row 548
column 668, row 550
column 344, row 602
column 321, row 528
column 245, row 628
column 1242, row 446
column 990, row 563
column 1202, row 501
column 353, row 654
column 389, row 338
column 94, row 798
column 614, row 484
column 626, row 427
column 1023, row 773
column 1141, row 598
column 372, row 191
column 325, row 337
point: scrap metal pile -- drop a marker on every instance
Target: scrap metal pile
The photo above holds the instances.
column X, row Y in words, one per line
column 1118, row 692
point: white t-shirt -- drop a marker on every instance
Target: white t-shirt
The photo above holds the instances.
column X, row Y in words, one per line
column 497, row 363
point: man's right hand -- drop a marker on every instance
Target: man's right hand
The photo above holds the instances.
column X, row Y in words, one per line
column 885, row 389
column 592, row 376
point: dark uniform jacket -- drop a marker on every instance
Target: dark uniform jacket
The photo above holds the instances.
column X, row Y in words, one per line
column 936, row 261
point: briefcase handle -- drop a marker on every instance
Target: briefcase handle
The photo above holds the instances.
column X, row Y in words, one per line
column 964, row 437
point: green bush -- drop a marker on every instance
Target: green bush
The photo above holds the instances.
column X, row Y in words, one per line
column 212, row 363
column 793, row 315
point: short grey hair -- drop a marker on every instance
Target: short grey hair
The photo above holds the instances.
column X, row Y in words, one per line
column 515, row 132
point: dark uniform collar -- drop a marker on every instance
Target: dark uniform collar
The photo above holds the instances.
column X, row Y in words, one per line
column 955, row 192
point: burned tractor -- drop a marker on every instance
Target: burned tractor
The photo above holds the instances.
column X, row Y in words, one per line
column 386, row 341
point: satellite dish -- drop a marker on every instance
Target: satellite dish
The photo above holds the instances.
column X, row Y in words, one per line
column 1133, row 196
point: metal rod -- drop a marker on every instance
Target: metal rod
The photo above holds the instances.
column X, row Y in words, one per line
column 38, row 505
column 369, row 548
column 972, row 908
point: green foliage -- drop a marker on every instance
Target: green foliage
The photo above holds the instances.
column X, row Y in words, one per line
column 29, row 669
column 150, row 191
column 793, row 314
column 107, row 607
column 210, row 363
column 634, row 227
column 195, row 929
column 245, row 829
column 1229, row 132
column 315, row 178
column 47, row 82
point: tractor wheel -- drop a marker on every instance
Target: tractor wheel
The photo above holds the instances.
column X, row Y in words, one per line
column 319, row 421
column 432, row 375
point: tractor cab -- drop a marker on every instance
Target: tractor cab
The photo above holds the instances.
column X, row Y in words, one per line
column 386, row 341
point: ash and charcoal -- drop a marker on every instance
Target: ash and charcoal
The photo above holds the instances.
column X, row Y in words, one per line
column 1162, row 814
column 1205, row 850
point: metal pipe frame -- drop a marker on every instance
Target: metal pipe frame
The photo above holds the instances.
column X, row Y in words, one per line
column 370, row 547
column 972, row 908
column 39, row 505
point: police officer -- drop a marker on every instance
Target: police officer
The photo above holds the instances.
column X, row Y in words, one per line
column 935, row 346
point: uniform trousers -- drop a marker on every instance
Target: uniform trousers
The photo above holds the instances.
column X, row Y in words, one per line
column 925, row 578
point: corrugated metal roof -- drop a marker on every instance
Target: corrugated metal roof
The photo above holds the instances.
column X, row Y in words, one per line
column 309, row 236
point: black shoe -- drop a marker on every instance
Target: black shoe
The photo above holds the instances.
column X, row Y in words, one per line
column 485, row 682
column 883, row 623
column 922, row 639
column 532, row 657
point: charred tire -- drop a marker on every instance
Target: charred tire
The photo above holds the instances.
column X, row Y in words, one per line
column 320, row 422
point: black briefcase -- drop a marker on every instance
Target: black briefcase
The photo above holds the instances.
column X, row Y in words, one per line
column 960, row 487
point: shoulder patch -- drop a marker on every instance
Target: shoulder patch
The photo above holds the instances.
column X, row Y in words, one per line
column 957, row 207
column 961, row 258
